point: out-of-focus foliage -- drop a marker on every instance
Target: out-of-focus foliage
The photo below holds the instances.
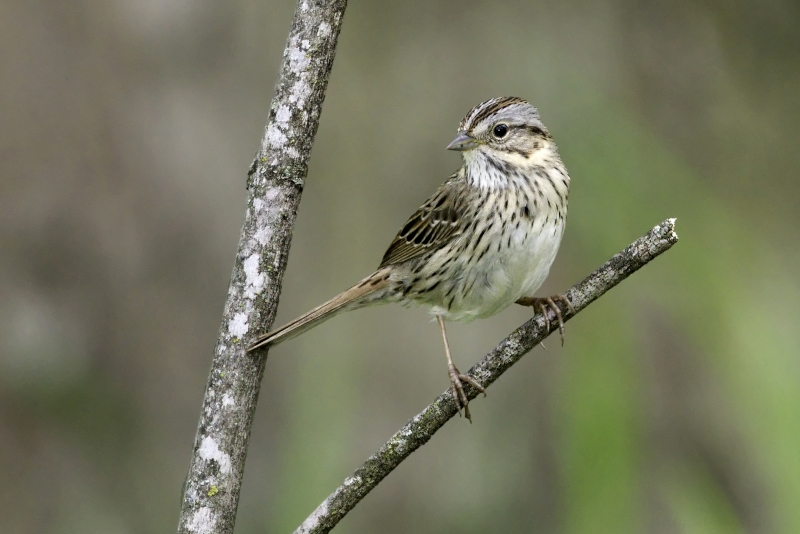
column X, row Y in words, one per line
column 127, row 130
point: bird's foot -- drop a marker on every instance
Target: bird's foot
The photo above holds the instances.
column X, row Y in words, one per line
column 542, row 304
column 457, row 388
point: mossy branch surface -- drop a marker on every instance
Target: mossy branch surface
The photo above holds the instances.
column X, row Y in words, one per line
column 421, row 428
column 275, row 182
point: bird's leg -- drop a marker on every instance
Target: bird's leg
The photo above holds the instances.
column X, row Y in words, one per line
column 456, row 377
column 541, row 305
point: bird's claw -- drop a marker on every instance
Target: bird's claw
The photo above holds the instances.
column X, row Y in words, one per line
column 457, row 387
column 542, row 304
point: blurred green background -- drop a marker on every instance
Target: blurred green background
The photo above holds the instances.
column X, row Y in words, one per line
column 127, row 130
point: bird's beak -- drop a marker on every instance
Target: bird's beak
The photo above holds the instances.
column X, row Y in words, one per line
column 463, row 142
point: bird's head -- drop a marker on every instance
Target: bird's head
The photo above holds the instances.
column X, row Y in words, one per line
column 508, row 128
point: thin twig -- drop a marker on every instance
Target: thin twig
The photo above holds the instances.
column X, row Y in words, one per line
column 211, row 491
column 421, row 428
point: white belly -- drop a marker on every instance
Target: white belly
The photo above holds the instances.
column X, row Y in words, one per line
column 500, row 279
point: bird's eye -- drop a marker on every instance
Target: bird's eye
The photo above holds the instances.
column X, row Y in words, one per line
column 500, row 130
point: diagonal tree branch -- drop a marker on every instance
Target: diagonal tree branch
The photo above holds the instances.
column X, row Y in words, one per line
column 211, row 491
column 421, row 428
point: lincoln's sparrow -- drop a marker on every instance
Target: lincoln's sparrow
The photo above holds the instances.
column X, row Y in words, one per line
column 483, row 241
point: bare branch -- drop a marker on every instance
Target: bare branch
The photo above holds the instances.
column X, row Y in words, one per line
column 421, row 428
column 211, row 491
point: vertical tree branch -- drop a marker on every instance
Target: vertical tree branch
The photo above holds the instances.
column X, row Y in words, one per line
column 421, row 428
column 211, row 491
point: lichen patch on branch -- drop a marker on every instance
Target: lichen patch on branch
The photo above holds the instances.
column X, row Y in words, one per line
column 283, row 114
column 203, row 521
column 255, row 279
column 275, row 137
column 238, row 325
column 209, row 450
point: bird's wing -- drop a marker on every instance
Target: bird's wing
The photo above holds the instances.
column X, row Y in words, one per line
column 435, row 224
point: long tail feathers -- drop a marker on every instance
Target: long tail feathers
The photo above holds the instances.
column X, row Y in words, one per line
column 355, row 297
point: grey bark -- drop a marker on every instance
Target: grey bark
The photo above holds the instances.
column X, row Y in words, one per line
column 211, row 491
column 421, row 428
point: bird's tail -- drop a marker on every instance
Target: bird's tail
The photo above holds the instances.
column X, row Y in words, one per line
column 366, row 292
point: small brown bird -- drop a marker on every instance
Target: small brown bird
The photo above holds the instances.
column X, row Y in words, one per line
column 483, row 241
